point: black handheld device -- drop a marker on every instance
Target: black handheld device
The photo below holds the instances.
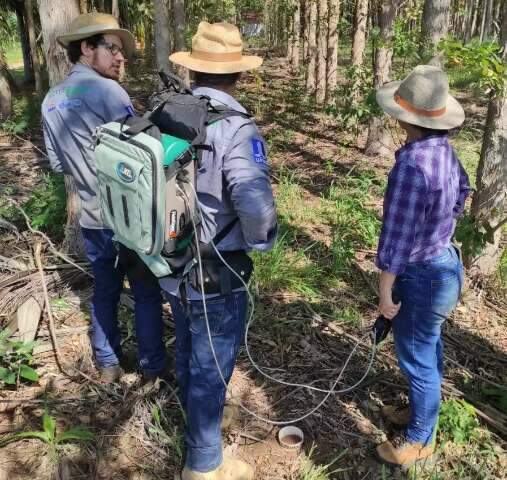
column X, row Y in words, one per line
column 382, row 326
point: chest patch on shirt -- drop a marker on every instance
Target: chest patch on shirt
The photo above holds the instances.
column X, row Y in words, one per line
column 259, row 153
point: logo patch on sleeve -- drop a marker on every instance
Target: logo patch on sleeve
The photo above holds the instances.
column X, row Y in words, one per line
column 259, row 152
column 130, row 110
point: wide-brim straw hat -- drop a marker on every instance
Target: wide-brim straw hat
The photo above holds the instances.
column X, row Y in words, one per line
column 422, row 99
column 89, row 24
column 216, row 48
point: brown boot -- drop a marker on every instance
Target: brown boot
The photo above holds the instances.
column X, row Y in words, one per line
column 231, row 415
column 110, row 374
column 231, row 469
column 400, row 452
column 398, row 416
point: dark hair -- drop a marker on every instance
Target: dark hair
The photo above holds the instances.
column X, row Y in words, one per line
column 431, row 131
column 216, row 79
column 74, row 48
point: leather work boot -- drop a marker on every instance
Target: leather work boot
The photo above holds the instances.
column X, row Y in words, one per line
column 396, row 415
column 231, row 415
column 400, row 452
column 110, row 374
column 231, row 469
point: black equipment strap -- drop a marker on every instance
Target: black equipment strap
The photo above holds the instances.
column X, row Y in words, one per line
column 141, row 125
column 224, row 232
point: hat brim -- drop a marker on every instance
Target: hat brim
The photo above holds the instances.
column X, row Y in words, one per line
column 127, row 39
column 247, row 62
column 453, row 117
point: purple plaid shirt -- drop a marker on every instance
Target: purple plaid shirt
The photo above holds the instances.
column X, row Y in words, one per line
column 426, row 192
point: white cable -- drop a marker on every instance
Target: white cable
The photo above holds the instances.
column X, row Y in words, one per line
column 201, row 276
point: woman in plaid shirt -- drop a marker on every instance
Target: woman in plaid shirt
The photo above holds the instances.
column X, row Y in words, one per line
column 426, row 192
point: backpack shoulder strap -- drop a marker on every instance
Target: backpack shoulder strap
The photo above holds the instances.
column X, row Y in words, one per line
column 224, row 232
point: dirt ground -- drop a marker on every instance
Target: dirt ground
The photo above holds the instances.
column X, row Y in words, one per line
column 129, row 441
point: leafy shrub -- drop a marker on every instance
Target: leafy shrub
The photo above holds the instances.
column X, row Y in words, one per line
column 472, row 237
column 25, row 115
column 354, row 100
column 458, row 421
column 15, row 360
column 46, row 207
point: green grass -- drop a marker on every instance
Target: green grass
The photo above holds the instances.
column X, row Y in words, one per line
column 14, row 54
column 468, row 144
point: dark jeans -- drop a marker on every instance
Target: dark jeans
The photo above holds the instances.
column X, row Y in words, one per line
column 202, row 392
column 428, row 291
column 108, row 284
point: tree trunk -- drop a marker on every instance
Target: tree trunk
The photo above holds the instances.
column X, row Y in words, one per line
column 33, row 46
column 179, row 25
column 487, row 30
column 306, row 23
column 323, row 27
column 434, row 27
column 115, row 9
column 162, row 38
column 290, row 31
column 55, row 17
column 472, row 19
column 489, row 201
column 296, row 33
column 83, row 6
column 25, row 44
column 379, row 141
column 332, row 48
column 359, row 41
column 312, row 48
column 102, row 7
column 5, row 90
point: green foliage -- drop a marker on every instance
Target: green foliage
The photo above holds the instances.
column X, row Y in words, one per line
column 405, row 45
column 8, row 29
column 46, row 207
column 354, row 100
column 50, row 436
column 15, row 360
column 310, row 471
column 159, row 428
column 25, row 115
column 482, row 60
column 458, row 422
column 473, row 238
column 497, row 396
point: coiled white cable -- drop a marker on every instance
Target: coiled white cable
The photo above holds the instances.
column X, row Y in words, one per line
column 250, row 319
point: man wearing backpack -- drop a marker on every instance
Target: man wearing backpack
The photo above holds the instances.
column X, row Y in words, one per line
column 238, row 215
column 72, row 110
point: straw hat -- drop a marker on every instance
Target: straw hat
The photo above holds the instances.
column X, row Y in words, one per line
column 422, row 99
column 89, row 24
column 216, row 48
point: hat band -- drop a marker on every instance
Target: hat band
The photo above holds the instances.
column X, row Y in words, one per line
column 216, row 57
column 420, row 111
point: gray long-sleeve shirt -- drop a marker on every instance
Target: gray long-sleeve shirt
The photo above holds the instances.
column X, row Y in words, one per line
column 233, row 182
column 70, row 113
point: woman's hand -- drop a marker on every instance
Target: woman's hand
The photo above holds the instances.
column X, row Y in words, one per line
column 386, row 305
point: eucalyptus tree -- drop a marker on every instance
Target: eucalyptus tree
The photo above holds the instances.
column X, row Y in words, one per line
column 162, row 35
column 359, row 41
column 434, row 27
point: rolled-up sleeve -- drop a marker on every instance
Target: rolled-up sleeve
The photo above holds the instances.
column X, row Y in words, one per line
column 404, row 211
column 464, row 190
column 246, row 172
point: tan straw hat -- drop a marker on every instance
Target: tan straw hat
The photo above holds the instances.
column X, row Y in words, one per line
column 216, row 48
column 89, row 24
column 422, row 99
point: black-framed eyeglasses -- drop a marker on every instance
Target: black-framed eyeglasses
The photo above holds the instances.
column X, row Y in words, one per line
column 113, row 48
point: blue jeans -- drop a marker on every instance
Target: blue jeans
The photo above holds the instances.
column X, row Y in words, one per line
column 202, row 392
column 108, row 285
column 428, row 292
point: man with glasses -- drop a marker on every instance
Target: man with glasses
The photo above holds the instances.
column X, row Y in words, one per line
column 91, row 96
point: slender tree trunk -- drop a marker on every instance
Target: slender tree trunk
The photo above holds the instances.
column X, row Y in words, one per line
column 488, row 24
column 306, row 24
column 115, row 9
column 5, row 90
column 101, row 7
column 379, row 141
column 332, row 48
column 470, row 11
column 475, row 17
column 434, row 27
column 296, row 35
column 290, row 31
column 56, row 16
column 312, row 48
column 323, row 26
column 359, row 41
column 83, row 6
column 489, row 201
column 179, row 25
column 25, row 44
column 33, row 46
column 162, row 38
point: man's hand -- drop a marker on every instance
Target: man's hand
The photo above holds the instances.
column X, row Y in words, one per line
column 386, row 305
column 388, row 308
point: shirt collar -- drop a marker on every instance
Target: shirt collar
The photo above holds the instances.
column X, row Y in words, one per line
column 81, row 68
column 221, row 97
column 426, row 142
